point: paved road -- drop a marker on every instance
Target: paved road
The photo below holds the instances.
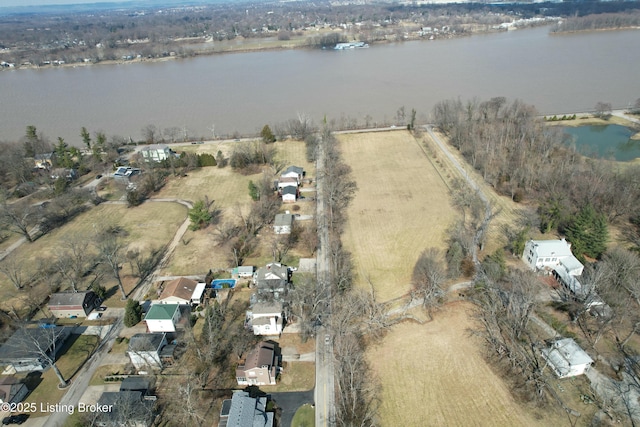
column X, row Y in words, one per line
column 325, row 383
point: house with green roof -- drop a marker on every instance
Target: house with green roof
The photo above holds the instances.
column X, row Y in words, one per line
column 162, row 317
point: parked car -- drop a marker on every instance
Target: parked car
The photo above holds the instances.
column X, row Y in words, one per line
column 98, row 176
column 15, row 419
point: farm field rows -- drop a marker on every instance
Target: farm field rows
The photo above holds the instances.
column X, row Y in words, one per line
column 401, row 208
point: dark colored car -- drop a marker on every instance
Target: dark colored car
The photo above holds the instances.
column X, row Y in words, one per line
column 15, row 419
column 98, row 176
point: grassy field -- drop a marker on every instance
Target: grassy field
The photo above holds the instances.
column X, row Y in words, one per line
column 148, row 225
column 401, row 208
column 435, row 375
column 229, row 190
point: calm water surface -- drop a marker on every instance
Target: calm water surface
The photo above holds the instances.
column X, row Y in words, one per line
column 242, row 92
column 604, row 141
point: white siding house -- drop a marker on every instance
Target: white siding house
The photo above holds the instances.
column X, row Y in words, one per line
column 289, row 194
column 566, row 358
column 162, row 317
column 144, row 350
column 155, row 152
column 550, row 254
column 266, row 318
column 294, row 172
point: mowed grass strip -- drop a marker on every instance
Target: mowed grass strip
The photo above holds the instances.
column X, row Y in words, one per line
column 401, row 208
column 435, row 375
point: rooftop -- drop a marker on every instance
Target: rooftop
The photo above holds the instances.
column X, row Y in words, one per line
column 181, row 288
column 289, row 190
column 68, row 298
column 283, row 219
column 162, row 312
column 552, row 248
column 146, row 342
column 261, row 355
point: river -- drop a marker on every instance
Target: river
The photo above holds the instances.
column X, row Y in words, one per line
column 242, row 92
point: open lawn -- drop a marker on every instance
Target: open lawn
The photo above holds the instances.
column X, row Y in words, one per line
column 74, row 353
column 229, row 190
column 435, row 375
column 296, row 376
column 401, row 208
column 304, row 417
column 150, row 225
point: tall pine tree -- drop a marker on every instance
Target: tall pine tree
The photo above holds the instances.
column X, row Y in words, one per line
column 588, row 233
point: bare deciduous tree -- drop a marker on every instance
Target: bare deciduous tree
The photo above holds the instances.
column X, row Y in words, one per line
column 428, row 276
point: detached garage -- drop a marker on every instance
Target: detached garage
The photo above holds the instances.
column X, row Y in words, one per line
column 73, row 304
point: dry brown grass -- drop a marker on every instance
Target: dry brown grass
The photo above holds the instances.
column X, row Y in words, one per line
column 151, row 224
column 401, row 208
column 434, row 375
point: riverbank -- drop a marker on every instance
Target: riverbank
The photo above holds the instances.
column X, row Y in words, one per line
column 196, row 47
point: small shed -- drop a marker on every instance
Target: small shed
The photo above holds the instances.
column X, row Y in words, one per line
column 243, row 271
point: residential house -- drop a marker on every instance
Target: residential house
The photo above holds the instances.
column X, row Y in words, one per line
column 181, row 291
column 162, row 317
column 293, row 172
column 289, row 194
column 28, row 349
column 73, row 304
column 283, row 223
column 266, row 318
column 566, row 358
column 272, row 281
column 66, row 173
column 12, row 390
column 144, row 350
column 124, row 173
column 242, row 410
column 260, row 366
column 243, row 272
column 126, row 408
column 550, row 254
column 156, row 153
column 43, row 160
column 285, row 182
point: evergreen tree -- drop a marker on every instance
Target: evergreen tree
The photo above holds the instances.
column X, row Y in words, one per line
column 267, row 135
column 132, row 313
column 199, row 215
column 86, row 137
column 588, row 233
column 253, row 191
